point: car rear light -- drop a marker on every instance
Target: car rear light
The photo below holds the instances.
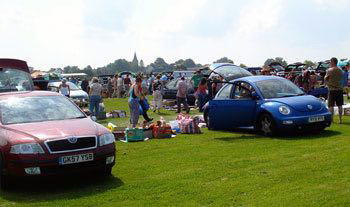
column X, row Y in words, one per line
column 33, row 170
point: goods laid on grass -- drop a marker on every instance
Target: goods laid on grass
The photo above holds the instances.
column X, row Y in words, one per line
column 119, row 132
column 188, row 124
column 116, row 114
column 347, row 111
column 169, row 103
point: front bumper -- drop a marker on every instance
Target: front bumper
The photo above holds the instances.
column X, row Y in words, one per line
column 302, row 122
column 49, row 163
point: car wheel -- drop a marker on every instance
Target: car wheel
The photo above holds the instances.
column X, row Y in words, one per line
column 107, row 171
column 3, row 180
column 267, row 125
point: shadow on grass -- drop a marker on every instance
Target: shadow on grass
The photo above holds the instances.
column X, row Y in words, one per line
column 251, row 134
column 59, row 188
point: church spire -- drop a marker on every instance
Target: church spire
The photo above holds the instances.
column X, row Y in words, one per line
column 135, row 61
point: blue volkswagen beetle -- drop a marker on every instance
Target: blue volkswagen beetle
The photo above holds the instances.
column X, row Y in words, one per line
column 268, row 103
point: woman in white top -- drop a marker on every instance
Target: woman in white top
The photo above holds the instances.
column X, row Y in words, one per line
column 95, row 97
column 64, row 88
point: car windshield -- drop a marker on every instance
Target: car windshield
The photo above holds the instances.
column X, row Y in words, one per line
column 278, row 88
column 38, row 109
column 15, row 80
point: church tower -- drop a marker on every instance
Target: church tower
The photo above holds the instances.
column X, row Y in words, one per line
column 135, row 62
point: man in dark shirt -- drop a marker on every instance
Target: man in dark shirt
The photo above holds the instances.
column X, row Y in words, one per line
column 335, row 88
column 84, row 85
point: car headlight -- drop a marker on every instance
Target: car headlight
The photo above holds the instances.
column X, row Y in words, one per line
column 285, row 110
column 106, row 139
column 28, row 148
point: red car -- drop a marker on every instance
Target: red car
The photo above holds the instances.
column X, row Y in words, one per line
column 44, row 133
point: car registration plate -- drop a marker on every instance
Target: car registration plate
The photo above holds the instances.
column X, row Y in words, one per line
column 314, row 119
column 76, row 158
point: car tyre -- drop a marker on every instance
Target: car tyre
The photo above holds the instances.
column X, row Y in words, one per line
column 267, row 125
column 107, row 171
column 3, row 178
column 207, row 120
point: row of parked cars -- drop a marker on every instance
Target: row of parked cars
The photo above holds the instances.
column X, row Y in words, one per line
column 44, row 133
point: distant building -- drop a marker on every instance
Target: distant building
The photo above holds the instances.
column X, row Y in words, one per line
column 135, row 62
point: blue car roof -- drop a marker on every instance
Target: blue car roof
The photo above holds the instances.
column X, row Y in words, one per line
column 254, row 79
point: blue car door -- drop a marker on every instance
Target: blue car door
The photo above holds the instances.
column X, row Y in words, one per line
column 219, row 109
column 231, row 109
column 243, row 106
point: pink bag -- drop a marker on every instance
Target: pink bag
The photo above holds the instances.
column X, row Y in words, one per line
column 189, row 126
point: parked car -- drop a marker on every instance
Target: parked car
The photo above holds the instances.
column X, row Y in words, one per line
column 15, row 76
column 277, row 69
column 183, row 73
column 80, row 97
column 254, row 70
column 296, row 67
column 170, row 91
column 268, row 103
column 44, row 133
column 227, row 71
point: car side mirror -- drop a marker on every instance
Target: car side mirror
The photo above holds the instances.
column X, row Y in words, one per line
column 255, row 96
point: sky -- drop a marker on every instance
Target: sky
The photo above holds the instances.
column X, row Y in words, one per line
column 56, row 33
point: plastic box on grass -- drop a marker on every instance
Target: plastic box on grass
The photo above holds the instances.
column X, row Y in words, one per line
column 135, row 134
column 162, row 132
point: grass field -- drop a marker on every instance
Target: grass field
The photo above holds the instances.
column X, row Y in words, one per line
column 212, row 169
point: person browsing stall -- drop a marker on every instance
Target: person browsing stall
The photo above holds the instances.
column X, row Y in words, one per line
column 95, row 94
column 64, row 88
column 202, row 94
column 335, row 89
column 157, row 88
column 134, row 98
column 181, row 96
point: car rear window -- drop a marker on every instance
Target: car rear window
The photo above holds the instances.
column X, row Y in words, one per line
column 15, row 80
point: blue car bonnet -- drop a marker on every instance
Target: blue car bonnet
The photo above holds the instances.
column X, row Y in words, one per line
column 301, row 103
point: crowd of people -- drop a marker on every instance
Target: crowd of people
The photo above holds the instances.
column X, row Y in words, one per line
column 205, row 89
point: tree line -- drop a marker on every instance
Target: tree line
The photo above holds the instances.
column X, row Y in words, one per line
column 159, row 65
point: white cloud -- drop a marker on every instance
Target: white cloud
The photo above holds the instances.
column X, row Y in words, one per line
column 56, row 33
column 259, row 16
column 42, row 33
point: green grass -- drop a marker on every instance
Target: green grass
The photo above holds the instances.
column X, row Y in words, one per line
column 211, row 169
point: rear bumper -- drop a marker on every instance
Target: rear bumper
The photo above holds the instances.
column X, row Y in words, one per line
column 50, row 164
